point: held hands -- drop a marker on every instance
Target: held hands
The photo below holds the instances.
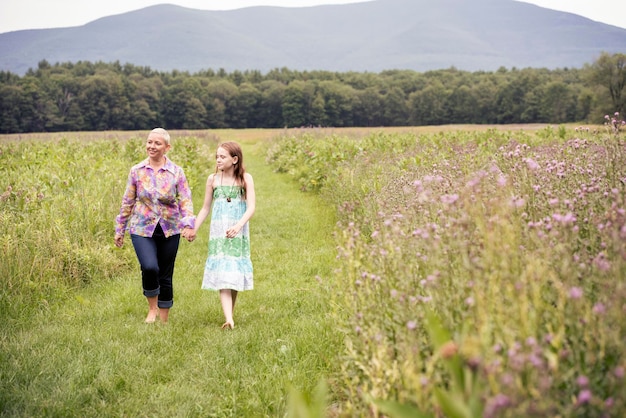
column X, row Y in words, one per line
column 189, row 234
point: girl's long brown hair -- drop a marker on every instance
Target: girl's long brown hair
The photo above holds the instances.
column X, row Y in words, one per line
column 234, row 150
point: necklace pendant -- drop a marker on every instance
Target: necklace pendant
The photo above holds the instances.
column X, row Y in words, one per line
column 228, row 199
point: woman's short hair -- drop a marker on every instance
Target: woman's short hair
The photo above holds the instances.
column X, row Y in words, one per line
column 164, row 134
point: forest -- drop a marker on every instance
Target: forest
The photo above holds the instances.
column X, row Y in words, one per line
column 88, row 96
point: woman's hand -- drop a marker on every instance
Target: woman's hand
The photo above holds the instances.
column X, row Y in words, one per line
column 189, row 234
column 119, row 240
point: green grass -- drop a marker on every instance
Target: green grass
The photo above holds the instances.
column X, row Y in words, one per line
column 86, row 352
column 477, row 271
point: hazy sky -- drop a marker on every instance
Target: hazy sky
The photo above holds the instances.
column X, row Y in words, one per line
column 37, row 14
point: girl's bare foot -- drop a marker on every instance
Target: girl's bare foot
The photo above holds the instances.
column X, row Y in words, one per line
column 228, row 325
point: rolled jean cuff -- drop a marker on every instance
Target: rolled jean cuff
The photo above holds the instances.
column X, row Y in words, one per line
column 165, row 304
column 151, row 293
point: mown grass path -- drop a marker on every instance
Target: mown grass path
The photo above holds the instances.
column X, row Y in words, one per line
column 92, row 355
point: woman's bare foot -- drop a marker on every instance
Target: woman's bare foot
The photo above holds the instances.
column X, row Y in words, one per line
column 164, row 315
column 228, row 325
column 152, row 314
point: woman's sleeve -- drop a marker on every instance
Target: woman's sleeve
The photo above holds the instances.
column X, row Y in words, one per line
column 128, row 202
column 185, row 203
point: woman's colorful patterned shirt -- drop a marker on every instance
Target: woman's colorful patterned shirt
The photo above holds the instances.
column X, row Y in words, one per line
column 153, row 197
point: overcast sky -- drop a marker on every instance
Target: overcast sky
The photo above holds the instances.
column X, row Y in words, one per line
column 38, row 14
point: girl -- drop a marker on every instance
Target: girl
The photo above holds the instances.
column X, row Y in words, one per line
column 230, row 199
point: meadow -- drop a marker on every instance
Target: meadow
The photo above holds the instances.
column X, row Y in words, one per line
column 73, row 341
column 444, row 271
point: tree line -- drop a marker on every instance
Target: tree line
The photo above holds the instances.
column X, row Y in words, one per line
column 86, row 96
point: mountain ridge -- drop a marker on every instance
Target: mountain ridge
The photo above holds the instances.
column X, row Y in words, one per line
column 375, row 35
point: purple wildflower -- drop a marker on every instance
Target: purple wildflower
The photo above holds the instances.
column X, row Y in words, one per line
column 531, row 164
column 575, row 293
column 449, row 199
column 599, row 308
column 584, row 396
column 568, row 218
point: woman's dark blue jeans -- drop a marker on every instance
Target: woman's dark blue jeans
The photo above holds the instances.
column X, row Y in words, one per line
column 156, row 256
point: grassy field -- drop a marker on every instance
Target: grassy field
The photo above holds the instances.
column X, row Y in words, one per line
column 79, row 347
column 460, row 271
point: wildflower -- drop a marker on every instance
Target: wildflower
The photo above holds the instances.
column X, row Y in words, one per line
column 619, row 372
column 517, row 202
column 469, row 301
column 473, row 363
column 601, row 263
column 535, row 360
column 531, row 164
column 411, row 325
column 599, row 309
column 575, row 293
column 568, row 218
column 582, row 381
column 584, row 396
column 507, row 379
column 448, row 350
column 501, row 400
column 449, row 199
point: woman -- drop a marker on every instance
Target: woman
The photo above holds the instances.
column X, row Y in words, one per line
column 230, row 198
column 155, row 208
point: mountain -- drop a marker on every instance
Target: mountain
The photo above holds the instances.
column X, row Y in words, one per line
column 370, row 36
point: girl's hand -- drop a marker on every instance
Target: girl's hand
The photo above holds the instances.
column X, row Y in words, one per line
column 233, row 231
